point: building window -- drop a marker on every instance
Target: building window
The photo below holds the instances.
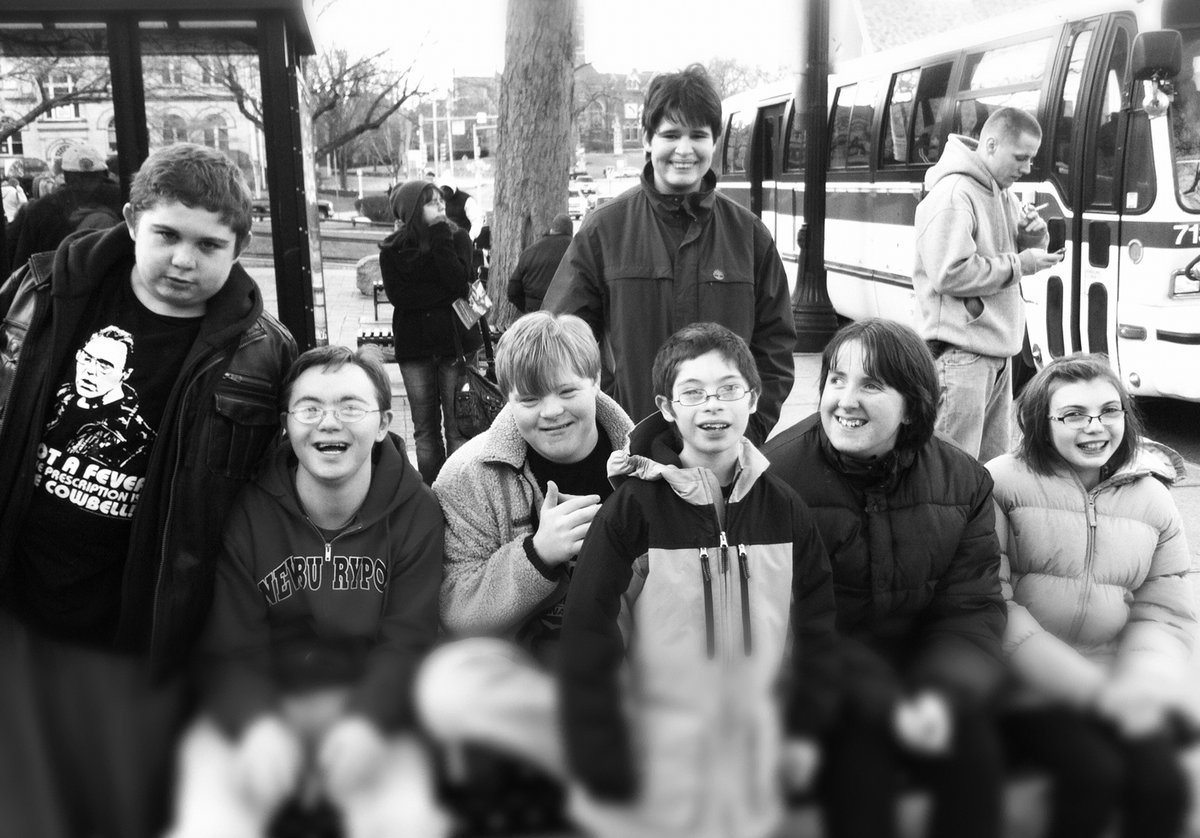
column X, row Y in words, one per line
column 61, row 84
column 215, row 133
column 172, row 73
column 174, row 129
column 11, row 144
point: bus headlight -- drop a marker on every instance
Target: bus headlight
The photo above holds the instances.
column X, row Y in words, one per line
column 1186, row 281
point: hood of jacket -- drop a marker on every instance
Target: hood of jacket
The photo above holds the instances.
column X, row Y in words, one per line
column 961, row 157
column 1152, row 459
column 393, row 482
column 654, row 450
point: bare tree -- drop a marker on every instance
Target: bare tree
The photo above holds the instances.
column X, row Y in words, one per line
column 48, row 81
column 534, row 150
column 733, row 76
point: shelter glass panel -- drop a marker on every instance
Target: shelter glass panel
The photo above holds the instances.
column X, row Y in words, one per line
column 56, row 78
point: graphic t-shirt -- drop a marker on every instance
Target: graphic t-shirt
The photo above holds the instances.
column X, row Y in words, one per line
column 589, row 476
column 92, row 462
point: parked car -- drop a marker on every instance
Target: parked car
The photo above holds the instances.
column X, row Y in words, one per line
column 261, row 208
column 577, row 202
column 584, row 181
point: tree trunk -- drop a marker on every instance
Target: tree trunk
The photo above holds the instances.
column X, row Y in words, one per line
column 534, row 153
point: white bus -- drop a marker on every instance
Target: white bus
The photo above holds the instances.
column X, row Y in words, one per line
column 1119, row 171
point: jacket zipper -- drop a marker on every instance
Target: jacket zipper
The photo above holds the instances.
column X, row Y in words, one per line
column 1089, row 558
column 744, row 565
column 189, row 391
column 709, row 627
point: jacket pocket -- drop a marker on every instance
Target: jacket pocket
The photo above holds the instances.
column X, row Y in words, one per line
column 245, row 419
column 727, row 297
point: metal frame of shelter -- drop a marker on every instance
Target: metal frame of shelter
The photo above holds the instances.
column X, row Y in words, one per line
column 278, row 32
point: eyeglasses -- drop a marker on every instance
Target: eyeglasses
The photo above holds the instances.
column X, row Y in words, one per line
column 1077, row 421
column 88, row 361
column 346, row 413
column 725, row 393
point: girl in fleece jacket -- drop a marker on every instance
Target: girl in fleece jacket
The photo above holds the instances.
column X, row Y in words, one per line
column 1100, row 610
column 326, row 599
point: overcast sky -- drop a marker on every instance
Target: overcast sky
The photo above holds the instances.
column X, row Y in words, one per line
column 620, row 35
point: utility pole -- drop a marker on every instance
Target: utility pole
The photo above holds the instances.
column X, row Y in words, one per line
column 812, row 311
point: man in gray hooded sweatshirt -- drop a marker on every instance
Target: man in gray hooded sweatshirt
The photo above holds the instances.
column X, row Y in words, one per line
column 975, row 240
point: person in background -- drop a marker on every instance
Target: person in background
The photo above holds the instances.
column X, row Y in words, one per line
column 107, row 564
column 325, row 601
column 426, row 265
column 537, row 264
column 1101, row 617
column 676, row 251
column 975, row 240
column 908, row 521
column 519, row 500
column 87, row 200
column 693, row 580
column 13, row 197
column 461, row 207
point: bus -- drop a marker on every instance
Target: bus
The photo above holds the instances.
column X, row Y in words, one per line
column 1115, row 85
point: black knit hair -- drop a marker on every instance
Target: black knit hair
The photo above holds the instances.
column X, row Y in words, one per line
column 687, row 97
column 894, row 354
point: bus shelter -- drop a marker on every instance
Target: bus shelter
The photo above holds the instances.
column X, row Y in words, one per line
column 127, row 76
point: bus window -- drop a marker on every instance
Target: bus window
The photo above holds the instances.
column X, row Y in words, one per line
column 970, row 114
column 795, row 150
column 840, row 134
column 930, row 95
column 858, row 143
column 1105, row 166
column 1185, row 124
column 1005, row 76
column 899, row 117
column 770, row 135
column 1016, row 64
column 1068, row 115
column 910, row 135
column 1139, row 184
column 737, row 143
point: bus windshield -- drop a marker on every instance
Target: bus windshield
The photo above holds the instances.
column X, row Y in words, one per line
column 1185, row 123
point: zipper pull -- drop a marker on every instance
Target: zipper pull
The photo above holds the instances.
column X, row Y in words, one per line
column 724, row 553
column 704, row 565
column 328, row 551
column 1091, row 510
column 742, row 560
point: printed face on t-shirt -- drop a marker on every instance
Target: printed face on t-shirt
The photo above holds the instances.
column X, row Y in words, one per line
column 183, row 256
column 100, row 368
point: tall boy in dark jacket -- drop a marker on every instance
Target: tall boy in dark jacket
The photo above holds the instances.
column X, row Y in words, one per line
column 106, row 570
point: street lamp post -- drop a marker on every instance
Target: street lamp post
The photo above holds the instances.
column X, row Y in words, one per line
column 812, row 312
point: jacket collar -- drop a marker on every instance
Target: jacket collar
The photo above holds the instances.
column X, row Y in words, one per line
column 695, row 205
column 504, row 443
column 654, row 454
column 393, row 480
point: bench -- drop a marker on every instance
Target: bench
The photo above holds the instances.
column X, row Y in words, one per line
column 377, row 333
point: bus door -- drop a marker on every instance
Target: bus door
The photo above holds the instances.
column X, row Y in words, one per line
column 1088, row 135
column 1054, row 293
column 1117, row 178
